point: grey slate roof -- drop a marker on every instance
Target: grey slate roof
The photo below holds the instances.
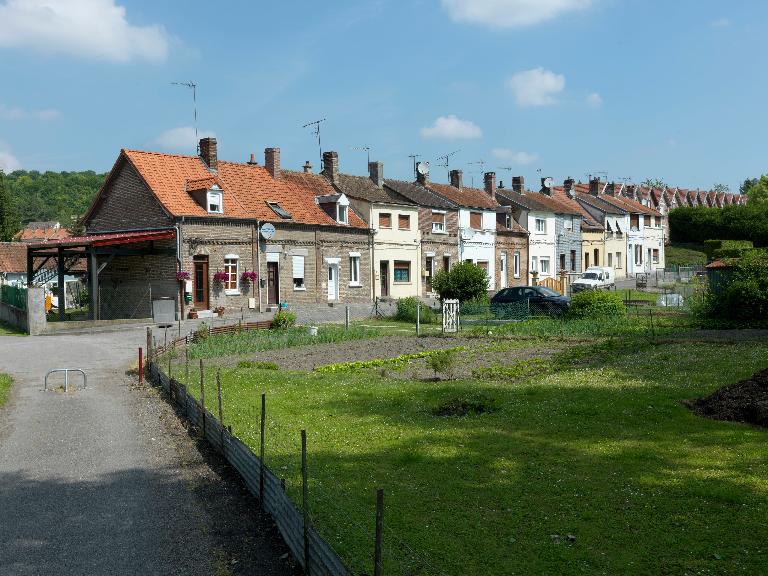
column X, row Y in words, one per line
column 418, row 194
column 363, row 188
column 600, row 204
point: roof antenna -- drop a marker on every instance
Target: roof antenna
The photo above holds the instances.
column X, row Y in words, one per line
column 193, row 86
column 315, row 127
column 366, row 148
column 447, row 158
column 413, row 158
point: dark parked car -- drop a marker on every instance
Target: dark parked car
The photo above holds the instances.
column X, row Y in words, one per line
column 541, row 300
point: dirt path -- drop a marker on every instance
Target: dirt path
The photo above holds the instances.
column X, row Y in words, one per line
column 91, row 482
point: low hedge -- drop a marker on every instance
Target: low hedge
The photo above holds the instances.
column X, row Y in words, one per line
column 406, row 311
column 596, row 303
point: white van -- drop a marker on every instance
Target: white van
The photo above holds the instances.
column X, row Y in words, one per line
column 594, row 278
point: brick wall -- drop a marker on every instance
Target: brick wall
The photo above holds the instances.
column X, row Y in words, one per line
column 511, row 243
column 127, row 204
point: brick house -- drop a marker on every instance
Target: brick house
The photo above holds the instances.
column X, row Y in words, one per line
column 292, row 229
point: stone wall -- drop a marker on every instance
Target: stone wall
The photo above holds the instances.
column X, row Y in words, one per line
column 511, row 243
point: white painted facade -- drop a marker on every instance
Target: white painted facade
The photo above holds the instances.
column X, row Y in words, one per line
column 541, row 244
column 645, row 245
column 395, row 245
column 479, row 245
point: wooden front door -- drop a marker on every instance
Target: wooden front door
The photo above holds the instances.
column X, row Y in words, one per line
column 273, row 284
column 430, row 271
column 200, row 283
column 384, row 278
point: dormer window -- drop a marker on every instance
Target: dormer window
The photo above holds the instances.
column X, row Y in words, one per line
column 215, row 200
column 342, row 214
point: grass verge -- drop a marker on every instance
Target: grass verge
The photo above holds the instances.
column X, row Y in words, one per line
column 5, row 388
column 8, row 330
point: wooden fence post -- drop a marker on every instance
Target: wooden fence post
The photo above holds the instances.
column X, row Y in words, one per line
column 202, row 396
column 149, row 344
column 346, row 317
column 261, row 451
column 141, row 367
column 221, row 411
column 186, row 363
column 418, row 317
column 379, row 531
column 305, row 499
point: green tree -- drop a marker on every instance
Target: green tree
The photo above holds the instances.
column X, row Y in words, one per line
column 747, row 184
column 654, row 183
column 464, row 281
column 758, row 192
column 721, row 188
column 8, row 222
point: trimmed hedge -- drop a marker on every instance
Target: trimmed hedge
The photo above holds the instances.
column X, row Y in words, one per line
column 726, row 248
column 748, row 222
column 595, row 304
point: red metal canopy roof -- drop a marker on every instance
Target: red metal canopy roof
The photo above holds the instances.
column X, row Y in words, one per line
column 114, row 239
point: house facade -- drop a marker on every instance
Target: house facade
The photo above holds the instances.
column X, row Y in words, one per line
column 394, row 222
column 292, row 232
column 615, row 224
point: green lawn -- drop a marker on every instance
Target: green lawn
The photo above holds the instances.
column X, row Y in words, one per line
column 8, row 330
column 5, row 387
column 685, row 254
column 597, row 446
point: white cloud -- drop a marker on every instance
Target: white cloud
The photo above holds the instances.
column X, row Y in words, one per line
column 452, row 127
column 536, row 87
column 513, row 156
column 8, row 162
column 181, row 138
column 594, row 100
column 86, row 28
column 511, row 13
column 21, row 114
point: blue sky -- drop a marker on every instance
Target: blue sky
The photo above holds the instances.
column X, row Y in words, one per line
column 636, row 88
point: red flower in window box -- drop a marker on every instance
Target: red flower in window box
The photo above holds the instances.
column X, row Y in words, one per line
column 220, row 277
column 248, row 277
column 183, row 276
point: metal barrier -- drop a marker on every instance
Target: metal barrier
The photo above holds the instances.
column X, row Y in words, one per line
column 66, row 377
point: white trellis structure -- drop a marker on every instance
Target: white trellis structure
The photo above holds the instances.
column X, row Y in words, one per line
column 450, row 316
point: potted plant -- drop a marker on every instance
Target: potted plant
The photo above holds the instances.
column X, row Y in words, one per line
column 247, row 278
column 220, row 277
column 219, row 310
column 183, row 276
column 192, row 314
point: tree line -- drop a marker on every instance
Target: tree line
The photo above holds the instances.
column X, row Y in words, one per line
column 32, row 196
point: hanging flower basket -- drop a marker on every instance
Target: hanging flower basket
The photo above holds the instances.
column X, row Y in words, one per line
column 248, row 277
column 183, row 276
column 220, row 277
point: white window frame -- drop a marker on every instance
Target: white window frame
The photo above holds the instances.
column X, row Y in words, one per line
column 354, row 269
column 294, row 262
column 219, row 196
column 543, row 228
column 516, row 261
column 342, row 213
column 236, row 290
column 610, row 259
column 534, row 263
column 441, row 226
column 618, row 260
column 568, row 223
column 542, row 260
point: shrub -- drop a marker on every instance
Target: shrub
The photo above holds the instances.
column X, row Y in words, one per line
column 464, row 281
column 443, row 362
column 596, row 303
column 406, row 311
column 258, row 365
column 283, row 320
column 201, row 333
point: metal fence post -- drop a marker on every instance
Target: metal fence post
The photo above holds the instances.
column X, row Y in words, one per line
column 346, row 317
column 149, row 344
column 261, row 450
column 221, row 411
column 379, row 531
column 418, row 318
column 305, row 499
column 202, row 397
column 186, row 363
column 141, row 367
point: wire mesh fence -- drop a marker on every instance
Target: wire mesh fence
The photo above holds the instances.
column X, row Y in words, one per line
column 14, row 296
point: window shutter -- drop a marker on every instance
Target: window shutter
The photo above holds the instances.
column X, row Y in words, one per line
column 475, row 220
column 403, row 222
column 298, row 266
column 385, row 220
column 438, row 217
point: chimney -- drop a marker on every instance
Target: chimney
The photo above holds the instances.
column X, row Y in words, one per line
column 518, row 184
column 422, row 179
column 331, row 166
column 307, row 167
column 594, row 186
column 272, row 161
column 501, row 184
column 208, row 153
column 252, row 161
column 568, row 187
column 376, row 172
column 610, row 189
column 544, row 188
column 489, row 179
column 457, row 178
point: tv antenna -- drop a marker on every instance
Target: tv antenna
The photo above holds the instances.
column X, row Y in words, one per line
column 413, row 158
column 603, row 172
column 366, row 148
column 480, row 163
column 626, row 179
column 191, row 85
column 315, row 128
column 446, row 158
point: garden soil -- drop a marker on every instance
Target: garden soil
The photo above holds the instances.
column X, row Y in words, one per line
column 745, row 401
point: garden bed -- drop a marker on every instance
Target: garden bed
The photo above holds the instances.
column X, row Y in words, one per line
column 745, row 401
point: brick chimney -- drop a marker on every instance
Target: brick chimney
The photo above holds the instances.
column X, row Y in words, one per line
column 568, row 187
column 457, row 178
column 252, row 161
column 518, row 184
column 489, row 180
column 376, row 173
column 544, row 188
column 272, row 161
column 208, row 152
column 594, row 186
column 307, row 167
column 610, row 189
column 331, row 166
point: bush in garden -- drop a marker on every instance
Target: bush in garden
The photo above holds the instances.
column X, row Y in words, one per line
column 464, row 282
column 442, row 362
column 283, row 320
column 406, row 311
column 596, row 304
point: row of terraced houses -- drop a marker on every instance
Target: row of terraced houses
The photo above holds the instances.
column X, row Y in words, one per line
column 209, row 233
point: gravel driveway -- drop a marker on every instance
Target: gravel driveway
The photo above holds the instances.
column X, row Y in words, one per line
column 105, row 480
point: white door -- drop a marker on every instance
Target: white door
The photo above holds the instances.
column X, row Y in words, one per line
column 333, row 281
column 503, row 271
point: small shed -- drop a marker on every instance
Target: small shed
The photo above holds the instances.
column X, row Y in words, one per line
column 719, row 274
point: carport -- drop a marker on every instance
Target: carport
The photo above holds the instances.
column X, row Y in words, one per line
column 95, row 247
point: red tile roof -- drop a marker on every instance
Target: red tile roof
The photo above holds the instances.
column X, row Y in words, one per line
column 467, row 197
column 114, row 239
column 247, row 189
column 13, row 257
column 40, row 232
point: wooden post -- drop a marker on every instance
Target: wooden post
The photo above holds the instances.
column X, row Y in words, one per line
column 221, row 412
column 379, row 531
column 305, row 499
column 346, row 317
column 149, row 344
column 186, row 363
column 141, row 367
column 170, row 355
column 261, row 451
column 418, row 317
column 202, row 396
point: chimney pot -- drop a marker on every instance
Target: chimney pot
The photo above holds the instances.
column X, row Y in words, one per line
column 376, row 173
column 518, row 184
column 610, row 189
column 252, row 161
column 272, row 161
column 331, row 166
column 489, row 179
column 568, row 187
column 307, row 167
column 594, row 186
column 457, row 178
column 208, row 153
